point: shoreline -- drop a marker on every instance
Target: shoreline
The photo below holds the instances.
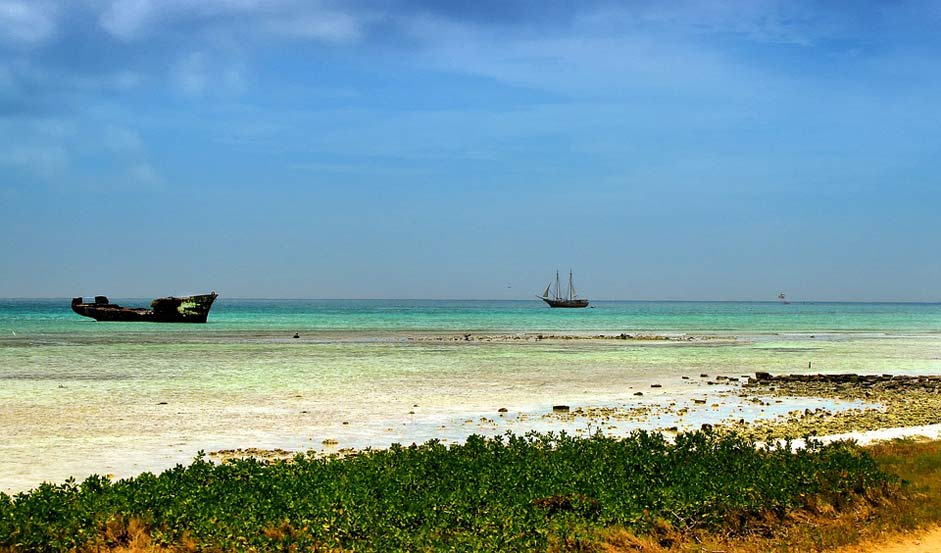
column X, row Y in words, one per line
column 792, row 406
column 124, row 403
column 758, row 406
column 866, row 414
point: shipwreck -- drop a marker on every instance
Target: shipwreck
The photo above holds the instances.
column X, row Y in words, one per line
column 184, row 309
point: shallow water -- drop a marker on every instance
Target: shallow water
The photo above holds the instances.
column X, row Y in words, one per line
column 79, row 397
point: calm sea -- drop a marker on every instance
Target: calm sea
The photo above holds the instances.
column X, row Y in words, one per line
column 53, row 316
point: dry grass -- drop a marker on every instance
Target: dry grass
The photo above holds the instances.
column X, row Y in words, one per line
column 823, row 527
column 133, row 536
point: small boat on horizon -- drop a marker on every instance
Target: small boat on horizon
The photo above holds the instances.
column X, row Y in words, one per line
column 184, row 309
column 570, row 299
column 782, row 298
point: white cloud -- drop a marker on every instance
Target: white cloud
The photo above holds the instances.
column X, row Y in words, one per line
column 122, row 139
column 582, row 62
column 52, row 129
column 321, row 26
column 191, row 75
column 44, row 160
column 26, row 22
column 59, row 150
column 116, row 81
column 199, row 74
column 125, row 18
column 775, row 21
column 126, row 80
column 233, row 79
column 143, row 174
column 37, row 146
column 131, row 19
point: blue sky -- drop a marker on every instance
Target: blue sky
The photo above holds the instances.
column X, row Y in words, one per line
column 419, row 149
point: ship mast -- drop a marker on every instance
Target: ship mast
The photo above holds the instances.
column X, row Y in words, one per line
column 558, row 292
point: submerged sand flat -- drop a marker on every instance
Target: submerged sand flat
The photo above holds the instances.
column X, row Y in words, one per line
column 130, row 402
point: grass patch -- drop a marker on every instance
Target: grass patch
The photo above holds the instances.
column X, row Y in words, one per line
column 510, row 493
column 914, row 504
column 918, row 464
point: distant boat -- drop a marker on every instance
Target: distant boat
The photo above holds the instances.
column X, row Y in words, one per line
column 556, row 299
column 782, row 298
column 186, row 309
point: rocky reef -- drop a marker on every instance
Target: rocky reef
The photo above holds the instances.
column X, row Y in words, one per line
column 537, row 337
column 892, row 401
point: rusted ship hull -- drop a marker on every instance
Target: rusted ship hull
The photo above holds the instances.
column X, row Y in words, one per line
column 566, row 303
column 186, row 309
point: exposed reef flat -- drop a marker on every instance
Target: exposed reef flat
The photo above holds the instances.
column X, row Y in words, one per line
column 756, row 407
column 542, row 336
column 860, row 403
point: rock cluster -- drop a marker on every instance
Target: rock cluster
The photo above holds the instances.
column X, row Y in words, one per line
column 890, row 401
column 262, row 454
column 851, row 380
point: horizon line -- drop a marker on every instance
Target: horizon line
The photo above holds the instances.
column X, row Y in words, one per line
column 808, row 301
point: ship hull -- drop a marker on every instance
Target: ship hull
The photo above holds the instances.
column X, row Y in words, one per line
column 186, row 309
column 570, row 304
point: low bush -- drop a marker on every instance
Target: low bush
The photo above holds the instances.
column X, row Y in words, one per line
column 506, row 493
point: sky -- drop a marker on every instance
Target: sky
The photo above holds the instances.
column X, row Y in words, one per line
column 687, row 150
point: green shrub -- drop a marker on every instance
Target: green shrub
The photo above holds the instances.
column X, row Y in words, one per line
column 505, row 493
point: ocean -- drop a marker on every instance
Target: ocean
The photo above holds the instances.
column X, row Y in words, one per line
column 53, row 316
column 79, row 397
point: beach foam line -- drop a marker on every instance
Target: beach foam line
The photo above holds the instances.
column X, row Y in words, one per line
column 929, row 432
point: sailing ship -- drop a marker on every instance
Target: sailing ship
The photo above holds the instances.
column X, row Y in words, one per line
column 555, row 298
column 186, row 309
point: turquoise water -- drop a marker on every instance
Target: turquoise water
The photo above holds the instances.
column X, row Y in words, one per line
column 368, row 316
column 79, row 397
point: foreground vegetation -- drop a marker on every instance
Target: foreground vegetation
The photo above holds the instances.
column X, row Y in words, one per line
column 914, row 505
column 536, row 492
